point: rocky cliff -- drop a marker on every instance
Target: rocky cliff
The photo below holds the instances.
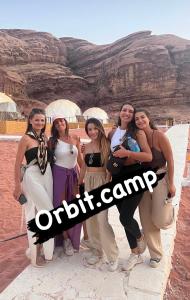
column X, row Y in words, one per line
column 147, row 70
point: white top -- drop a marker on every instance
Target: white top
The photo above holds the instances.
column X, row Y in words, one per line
column 117, row 137
column 63, row 155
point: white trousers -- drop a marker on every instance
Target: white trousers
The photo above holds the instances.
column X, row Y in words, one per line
column 38, row 190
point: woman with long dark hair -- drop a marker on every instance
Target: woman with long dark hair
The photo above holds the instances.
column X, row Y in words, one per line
column 139, row 152
column 94, row 174
column 66, row 151
column 156, row 210
column 37, row 184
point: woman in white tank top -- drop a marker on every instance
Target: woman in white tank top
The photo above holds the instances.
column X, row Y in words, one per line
column 66, row 149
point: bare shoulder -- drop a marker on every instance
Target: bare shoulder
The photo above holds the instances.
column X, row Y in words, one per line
column 25, row 139
column 24, row 142
column 140, row 133
column 161, row 135
column 161, row 138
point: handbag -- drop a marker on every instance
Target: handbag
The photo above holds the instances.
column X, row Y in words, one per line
column 24, row 167
column 169, row 215
column 115, row 164
column 167, row 210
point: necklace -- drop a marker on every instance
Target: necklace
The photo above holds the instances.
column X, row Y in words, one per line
column 91, row 157
column 71, row 148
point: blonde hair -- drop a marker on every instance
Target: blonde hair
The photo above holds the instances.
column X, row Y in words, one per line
column 104, row 143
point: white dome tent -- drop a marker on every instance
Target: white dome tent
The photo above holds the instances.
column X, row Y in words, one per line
column 96, row 112
column 7, row 104
column 64, row 107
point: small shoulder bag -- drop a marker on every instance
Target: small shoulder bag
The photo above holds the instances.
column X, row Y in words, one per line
column 115, row 164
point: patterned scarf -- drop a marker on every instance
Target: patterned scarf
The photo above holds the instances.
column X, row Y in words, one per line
column 42, row 157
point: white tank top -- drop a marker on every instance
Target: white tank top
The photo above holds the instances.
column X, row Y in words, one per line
column 66, row 155
column 117, row 137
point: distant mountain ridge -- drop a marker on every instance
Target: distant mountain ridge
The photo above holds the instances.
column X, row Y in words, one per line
column 147, row 70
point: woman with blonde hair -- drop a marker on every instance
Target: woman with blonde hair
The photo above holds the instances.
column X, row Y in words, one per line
column 37, row 184
column 94, row 173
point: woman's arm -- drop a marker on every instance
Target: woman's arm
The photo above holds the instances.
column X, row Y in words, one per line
column 82, row 172
column 49, row 143
column 108, row 176
column 166, row 149
column 111, row 133
column 22, row 146
column 79, row 157
column 144, row 156
column 83, row 168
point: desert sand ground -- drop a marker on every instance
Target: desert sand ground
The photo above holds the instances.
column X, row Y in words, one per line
column 178, row 286
column 12, row 253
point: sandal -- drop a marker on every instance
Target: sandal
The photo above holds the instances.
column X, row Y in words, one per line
column 40, row 263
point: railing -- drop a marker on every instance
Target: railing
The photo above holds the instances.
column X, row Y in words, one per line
column 19, row 126
column 8, row 116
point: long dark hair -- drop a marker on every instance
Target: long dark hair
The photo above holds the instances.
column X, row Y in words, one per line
column 102, row 139
column 55, row 134
column 146, row 112
column 35, row 111
column 131, row 129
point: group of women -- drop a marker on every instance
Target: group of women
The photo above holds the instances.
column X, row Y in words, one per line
column 57, row 167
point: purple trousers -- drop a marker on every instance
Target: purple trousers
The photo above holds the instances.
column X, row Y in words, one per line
column 64, row 187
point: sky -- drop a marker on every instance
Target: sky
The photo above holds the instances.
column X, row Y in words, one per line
column 98, row 21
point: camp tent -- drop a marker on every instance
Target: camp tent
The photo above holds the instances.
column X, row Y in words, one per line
column 64, row 107
column 97, row 113
column 7, row 104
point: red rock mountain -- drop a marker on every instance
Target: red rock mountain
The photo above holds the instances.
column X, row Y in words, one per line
column 147, row 70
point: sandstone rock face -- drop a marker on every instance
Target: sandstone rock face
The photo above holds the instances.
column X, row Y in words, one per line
column 33, row 65
column 144, row 69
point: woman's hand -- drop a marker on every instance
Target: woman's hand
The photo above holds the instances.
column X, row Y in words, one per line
column 122, row 152
column 17, row 192
column 81, row 189
column 80, row 182
column 172, row 190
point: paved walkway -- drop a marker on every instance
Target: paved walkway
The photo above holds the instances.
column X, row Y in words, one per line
column 68, row 278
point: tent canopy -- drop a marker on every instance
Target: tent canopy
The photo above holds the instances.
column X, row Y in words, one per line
column 98, row 113
column 7, row 104
column 63, row 107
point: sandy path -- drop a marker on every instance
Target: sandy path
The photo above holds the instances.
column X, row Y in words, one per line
column 178, row 286
column 12, row 258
